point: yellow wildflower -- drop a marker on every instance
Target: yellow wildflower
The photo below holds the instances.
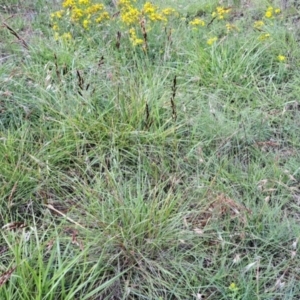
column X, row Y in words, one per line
column 124, row 2
column 157, row 17
column 197, row 21
column 137, row 42
column 233, row 287
column 104, row 16
column 168, row 11
column 85, row 2
column 58, row 14
column 94, row 8
column 77, row 13
column 231, row 27
column 130, row 16
column 269, row 12
column 149, row 8
column 220, row 12
column 258, row 24
column 68, row 3
column 55, row 27
column 132, row 31
column 211, row 41
column 86, row 24
column 281, row 57
column 66, row 36
column 133, row 38
column 264, row 36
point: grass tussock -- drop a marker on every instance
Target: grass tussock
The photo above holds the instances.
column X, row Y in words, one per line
column 149, row 150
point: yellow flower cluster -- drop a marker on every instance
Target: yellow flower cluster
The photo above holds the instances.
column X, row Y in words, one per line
column 133, row 17
column 211, row 41
column 86, row 13
column 220, row 12
column 124, row 3
column 134, row 39
column 197, row 22
column 271, row 11
column 231, row 27
column 104, row 16
column 264, row 36
column 151, row 11
column 130, row 15
column 233, row 287
column 149, row 8
column 93, row 9
column 65, row 37
column 68, row 3
column 281, row 58
column 76, row 14
column 58, row 14
column 79, row 12
column 258, row 24
column 168, row 11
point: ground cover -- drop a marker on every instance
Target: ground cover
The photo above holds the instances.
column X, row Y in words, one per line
column 149, row 150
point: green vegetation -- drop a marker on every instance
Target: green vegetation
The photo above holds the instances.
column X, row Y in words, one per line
column 149, row 150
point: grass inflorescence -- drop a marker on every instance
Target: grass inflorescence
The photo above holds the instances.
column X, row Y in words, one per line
column 149, row 150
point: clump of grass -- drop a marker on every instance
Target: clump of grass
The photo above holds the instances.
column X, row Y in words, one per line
column 151, row 154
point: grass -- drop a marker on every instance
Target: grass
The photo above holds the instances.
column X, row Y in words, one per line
column 170, row 173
